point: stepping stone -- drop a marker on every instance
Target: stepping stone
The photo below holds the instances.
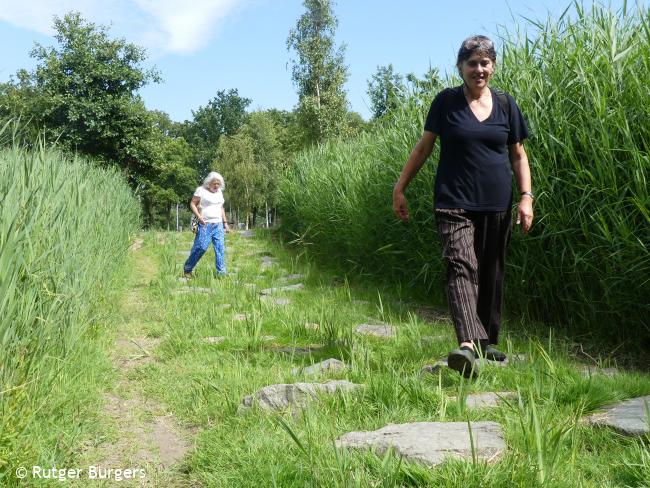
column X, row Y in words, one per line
column 225, row 305
column 276, row 301
column 281, row 396
column 486, row 399
column 588, row 371
column 183, row 253
column 240, row 317
column 431, row 443
column 434, row 368
column 361, row 302
column 308, row 349
column 268, row 338
column 292, row 277
column 511, row 359
column 377, row 330
column 250, row 285
column 247, row 233
column 270, row 291
column 182, row 279
column 214, row 340
column 325, row 366
column 192, row 289
column 312, row 326
column 629, row 417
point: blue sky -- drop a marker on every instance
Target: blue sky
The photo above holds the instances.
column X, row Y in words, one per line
column 202, row 46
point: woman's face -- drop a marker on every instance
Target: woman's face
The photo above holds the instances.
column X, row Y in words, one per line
column 214, row 185
column 477, row 71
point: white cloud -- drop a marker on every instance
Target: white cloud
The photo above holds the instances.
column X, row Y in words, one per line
column 180, row 26
column 187, row 26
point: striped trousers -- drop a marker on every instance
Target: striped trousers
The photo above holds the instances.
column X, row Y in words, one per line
column 474, row 248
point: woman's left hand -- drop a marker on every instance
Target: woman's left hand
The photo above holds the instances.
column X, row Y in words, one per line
column 525, row 214
column 226, row 227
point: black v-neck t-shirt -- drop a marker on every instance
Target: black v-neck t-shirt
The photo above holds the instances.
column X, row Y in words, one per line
column 474, row 171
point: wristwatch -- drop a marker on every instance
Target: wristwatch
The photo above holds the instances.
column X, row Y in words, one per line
column 528, row 193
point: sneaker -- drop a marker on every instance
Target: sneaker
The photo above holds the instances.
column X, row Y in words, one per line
column 462, row 360
column 188, row 276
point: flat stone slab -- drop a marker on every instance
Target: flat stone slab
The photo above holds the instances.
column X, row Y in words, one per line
column 214, row 339
column 312, row 326
column 431, row 442
column 486, row 399
column 281, row 396
column 325, row 366
column 240, row 317
column 308, row 349
column 588, row 371
column 275, row 300
column 183, row 253
column 182, row 279
column 628, row 417
column 279, row 289
column 434, row 368
column 377, row 330
column 247, row 233
column 250, row 285
column 268, row 260
column 296, row 276
column 361, row 302
column 192, row 289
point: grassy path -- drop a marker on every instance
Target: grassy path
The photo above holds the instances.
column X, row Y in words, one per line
column 139, row 433
column 188, row 353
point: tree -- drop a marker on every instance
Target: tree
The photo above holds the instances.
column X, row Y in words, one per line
column 318, row 73
column 223, row 115
column 426, row 87
column 245, row 177
column 385, row 89
column 169, row 179
column 87, row 96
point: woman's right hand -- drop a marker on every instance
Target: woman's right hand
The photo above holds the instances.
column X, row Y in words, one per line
column 400, row 206
column 201, row 220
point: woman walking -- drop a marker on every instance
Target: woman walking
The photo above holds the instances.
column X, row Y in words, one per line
column 481, row 134
column 207, row 206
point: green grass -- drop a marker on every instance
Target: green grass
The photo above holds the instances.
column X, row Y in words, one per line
column 203, row 384
column 582, row 84
column 65, row 226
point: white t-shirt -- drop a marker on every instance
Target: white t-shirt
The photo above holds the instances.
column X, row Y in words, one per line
column 210, row 204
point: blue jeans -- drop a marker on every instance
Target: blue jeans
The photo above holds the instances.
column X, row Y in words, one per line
column 206, row 233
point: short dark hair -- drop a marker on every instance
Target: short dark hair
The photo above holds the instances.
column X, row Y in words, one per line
column 476, row 45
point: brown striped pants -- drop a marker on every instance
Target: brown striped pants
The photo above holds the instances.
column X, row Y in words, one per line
column 474, row 248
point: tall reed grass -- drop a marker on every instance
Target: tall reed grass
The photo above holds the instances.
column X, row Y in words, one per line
column 65, row 227
column 582, row 82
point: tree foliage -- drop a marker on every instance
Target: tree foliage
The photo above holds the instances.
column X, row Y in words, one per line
column 222, row 116
column 88, row 92
column 83, row 96
column 318, row 73
column 385, row 89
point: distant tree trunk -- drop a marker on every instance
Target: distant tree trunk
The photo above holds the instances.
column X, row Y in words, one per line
column 266, row 214
column 254, row 217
